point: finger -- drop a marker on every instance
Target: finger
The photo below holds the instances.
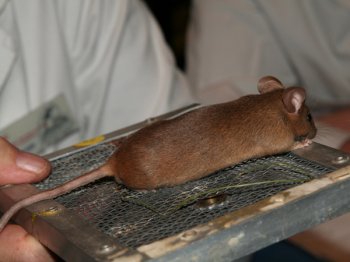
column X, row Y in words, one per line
column 346, row 146
column 17, row 245
column 20, row 167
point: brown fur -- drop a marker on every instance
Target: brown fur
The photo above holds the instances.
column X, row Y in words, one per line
column 198, row 143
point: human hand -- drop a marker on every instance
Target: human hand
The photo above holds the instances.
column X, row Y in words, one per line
column 346, row 146
column 20, row 167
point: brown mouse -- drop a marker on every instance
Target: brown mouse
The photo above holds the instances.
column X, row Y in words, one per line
column 195, row 144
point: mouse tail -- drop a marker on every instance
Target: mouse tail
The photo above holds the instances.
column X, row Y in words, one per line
column 55, row 192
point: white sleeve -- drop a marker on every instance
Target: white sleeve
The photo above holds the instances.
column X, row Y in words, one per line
column 232, row 43
column 123, row 70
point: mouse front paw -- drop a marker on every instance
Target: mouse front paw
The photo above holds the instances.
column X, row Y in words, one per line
column 302, row 144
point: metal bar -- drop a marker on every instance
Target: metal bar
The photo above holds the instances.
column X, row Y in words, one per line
column 324, row 155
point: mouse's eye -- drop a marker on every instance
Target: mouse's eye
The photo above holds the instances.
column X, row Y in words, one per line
column 309, row 117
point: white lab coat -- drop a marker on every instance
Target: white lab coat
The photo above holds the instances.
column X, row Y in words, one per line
column 232, row 43
column 107, row 57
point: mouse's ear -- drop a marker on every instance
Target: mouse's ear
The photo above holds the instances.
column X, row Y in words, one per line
column 293, row 99
column 269, row 83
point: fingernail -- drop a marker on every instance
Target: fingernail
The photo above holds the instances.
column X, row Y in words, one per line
column 30, row 162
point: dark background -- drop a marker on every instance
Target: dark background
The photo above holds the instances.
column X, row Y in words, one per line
column 173, row 17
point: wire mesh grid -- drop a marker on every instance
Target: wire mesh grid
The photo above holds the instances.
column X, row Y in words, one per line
column 136, row 218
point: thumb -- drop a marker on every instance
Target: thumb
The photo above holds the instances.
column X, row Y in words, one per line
column 18, row 167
